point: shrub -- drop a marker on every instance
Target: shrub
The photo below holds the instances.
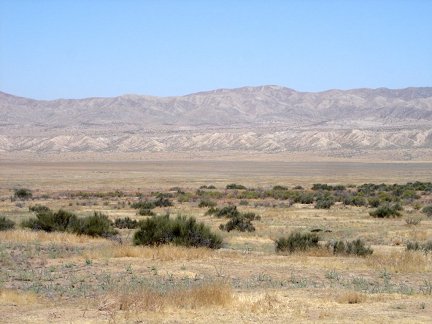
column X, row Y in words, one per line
column 324, row 203
column 206, row 203
column 243, row 203
column 49, row 221
column 239, row 223
column 356, row 247
column 374, row 202
column 146, row 212
column 207, row 187
column 386, row 211
column 6, row 224
column 125, row 223
column 235, row 186
column 162, row 201
column 144, row 205
column 416, row 246
column 297, row 242
column 427, row 210
column 23, row 193
column 298, row 188
column 182, row 230
column 96, row 225
column 413, row 220
column 39, row 208
column 280, row 188
column 228, row 211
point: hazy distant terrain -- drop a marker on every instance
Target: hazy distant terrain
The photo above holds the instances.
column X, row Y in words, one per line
column 254, row 119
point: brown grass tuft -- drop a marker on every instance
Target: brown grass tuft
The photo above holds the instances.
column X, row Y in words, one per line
column 351, row 297
column 29, row 236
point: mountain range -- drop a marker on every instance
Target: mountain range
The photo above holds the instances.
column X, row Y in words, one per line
column 254, row 119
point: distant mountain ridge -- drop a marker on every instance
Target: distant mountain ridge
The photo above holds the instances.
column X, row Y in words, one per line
column 262, row 119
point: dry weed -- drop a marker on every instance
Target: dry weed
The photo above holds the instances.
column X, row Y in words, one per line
column 163, row 253
column 400, row 262
column 28, row 236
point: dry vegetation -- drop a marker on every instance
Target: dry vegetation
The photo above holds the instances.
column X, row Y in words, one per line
column 63, row 277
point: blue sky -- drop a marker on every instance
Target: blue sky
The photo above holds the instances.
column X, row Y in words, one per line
column 73, row 49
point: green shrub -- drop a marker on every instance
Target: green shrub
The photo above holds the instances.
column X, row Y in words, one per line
column 356, row 247
column 243, row 203
column 374, row 202
column 386, row 211
column 162, row 201
column 23, row 193
column 182, row 230
column 324, row 203
column 144, row 205
column 239, row 223
column 416, row 246
column 427, row 210
column 6, row 224
column 228, row 211
column 235, row 186
column 39, row 208
column 126, row 223
column 96, row 225
column 206, row 203
column 49, row 221
column 278, row 187
column 146, row 212
column 297, row 242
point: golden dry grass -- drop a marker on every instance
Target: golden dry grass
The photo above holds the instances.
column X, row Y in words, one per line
column 28, row 236
column 206, row 295
column 351, row 297
column 162, row 253
column 400, row 262
column 9, row 296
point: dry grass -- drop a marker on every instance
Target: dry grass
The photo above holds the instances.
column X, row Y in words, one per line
column 351, row 297
column 400, row 262
column 207, row 295
column 28, row 236
column 8, row 296
column 162, row 253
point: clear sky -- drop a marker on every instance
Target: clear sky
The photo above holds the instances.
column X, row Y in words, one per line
column 73, row 49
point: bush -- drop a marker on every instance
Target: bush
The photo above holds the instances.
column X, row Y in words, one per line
column 374, row 202
column 243, row 203
column 126, row 223
column 6, row 224
column 96, row 225
column 39, row 208
column 427, row 210
column 416, row 246
column 162, row 201
column 144, row 205
column 324, row 203
column 228, row 211
column 297, row 242
column 49, row 221
column 23, row 194
column 239, row 223
column 278, row 187
column 146, row 212
column 182, row 230
column 356, row 247
column 386, row 211
column 235, row 186
column 206, row 203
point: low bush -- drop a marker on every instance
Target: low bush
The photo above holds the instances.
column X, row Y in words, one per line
column 96, row 225
column 427, row 210
column 23, row 193
column 297, row 242
column 6, row 224
column 126, row 223
column 356, row 247
column 239, row 223
column 416, row 246
column 146, row 212
column 386, row 211
column 144, row 205
column 228, row 211
column 50, row 221
column 235, row 186
column 374, row 202
column 39, row 208
column 278, row 187
column 324, row 203
column 181, row 230
column 162, row 201
column 206, row 203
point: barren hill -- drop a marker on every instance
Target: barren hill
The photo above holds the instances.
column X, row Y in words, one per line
column 255, row 119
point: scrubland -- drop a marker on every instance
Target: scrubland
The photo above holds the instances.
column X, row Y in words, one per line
column 51, row 272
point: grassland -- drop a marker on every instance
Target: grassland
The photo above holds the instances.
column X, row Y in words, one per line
column 63, row 277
